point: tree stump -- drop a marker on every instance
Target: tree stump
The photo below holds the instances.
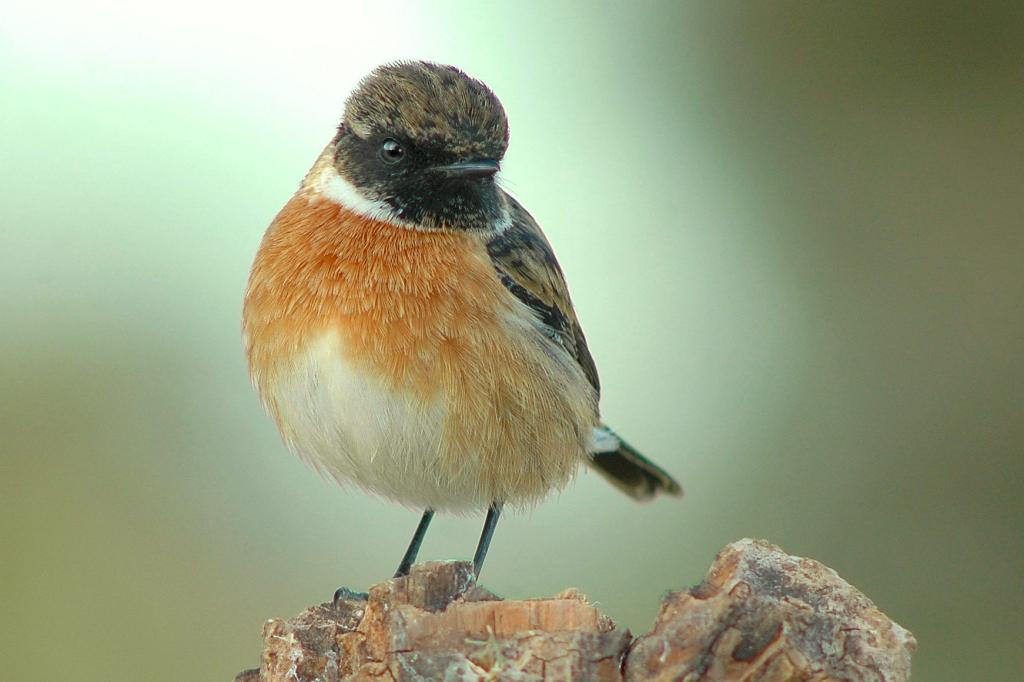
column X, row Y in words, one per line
column 759, row 614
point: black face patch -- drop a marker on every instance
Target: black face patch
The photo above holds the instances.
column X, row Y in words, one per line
column 413, row 187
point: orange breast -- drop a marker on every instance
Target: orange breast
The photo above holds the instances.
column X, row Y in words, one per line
column 426, row 314
column 406, row 303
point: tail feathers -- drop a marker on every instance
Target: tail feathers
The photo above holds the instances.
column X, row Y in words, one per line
column 627, row 469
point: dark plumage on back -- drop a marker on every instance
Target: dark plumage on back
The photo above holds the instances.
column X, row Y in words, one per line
column 527, row 267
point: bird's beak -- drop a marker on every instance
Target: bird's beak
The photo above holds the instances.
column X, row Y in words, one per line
column 481, row 168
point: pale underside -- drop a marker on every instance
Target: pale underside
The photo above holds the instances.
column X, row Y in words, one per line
column 353, row 427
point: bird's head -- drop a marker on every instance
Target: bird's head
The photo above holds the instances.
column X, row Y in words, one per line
column 419, row 146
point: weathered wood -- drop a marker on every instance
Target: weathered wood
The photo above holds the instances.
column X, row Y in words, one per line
column 760, row 614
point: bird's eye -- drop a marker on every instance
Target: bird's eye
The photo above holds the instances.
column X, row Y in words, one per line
column 391, row 151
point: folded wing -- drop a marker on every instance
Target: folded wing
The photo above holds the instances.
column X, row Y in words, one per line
column 527, row 267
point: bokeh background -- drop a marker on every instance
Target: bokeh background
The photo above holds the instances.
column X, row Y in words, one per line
column 795, row 237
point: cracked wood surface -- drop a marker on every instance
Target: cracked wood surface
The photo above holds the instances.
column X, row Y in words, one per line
column 759, row 615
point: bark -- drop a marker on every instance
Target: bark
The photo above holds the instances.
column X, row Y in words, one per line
column 760, row 614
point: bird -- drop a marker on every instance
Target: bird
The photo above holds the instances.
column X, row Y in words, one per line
column 407, row 325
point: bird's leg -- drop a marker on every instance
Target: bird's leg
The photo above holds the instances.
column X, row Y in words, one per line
column 414, row 544
column 407, row 560
column 485, row 537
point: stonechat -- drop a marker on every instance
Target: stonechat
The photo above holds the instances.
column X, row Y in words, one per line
column 407, row 325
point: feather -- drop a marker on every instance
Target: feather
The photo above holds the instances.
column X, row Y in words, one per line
column 527, row 267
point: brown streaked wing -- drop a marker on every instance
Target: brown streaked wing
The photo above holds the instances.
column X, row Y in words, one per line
column 527, row 267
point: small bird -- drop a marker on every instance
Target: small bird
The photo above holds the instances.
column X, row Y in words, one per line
column 406, row 323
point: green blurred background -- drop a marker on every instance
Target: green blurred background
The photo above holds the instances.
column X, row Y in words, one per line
column 795, row 237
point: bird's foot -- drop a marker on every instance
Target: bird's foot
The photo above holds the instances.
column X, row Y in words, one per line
column 345, row 594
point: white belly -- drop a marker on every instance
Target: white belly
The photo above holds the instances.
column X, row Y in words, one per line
column 512, row 438
column 352, row 427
